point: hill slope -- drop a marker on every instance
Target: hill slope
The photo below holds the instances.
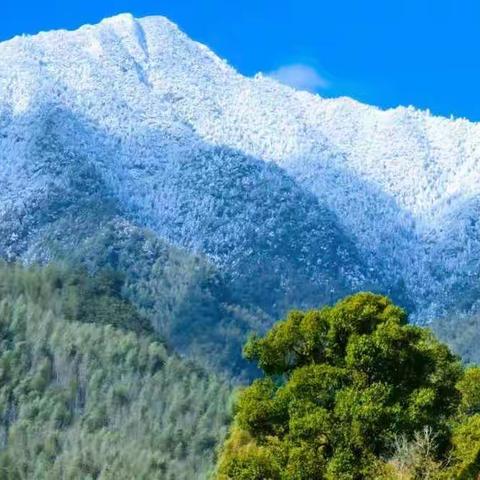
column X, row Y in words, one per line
column 81, row 398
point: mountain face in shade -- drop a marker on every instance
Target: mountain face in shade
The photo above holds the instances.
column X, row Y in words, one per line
column 296, row 199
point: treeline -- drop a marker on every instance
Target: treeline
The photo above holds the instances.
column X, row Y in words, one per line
column 88, row 391
column 352, row 392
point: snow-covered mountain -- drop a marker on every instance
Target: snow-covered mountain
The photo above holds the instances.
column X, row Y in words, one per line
column 286, row 191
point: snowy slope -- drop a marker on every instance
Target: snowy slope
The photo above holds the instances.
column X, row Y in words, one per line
column 241, row 169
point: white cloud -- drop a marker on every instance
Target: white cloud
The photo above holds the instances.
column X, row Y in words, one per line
column 301, row 77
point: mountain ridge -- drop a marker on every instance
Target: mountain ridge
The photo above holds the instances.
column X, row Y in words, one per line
column 401, row 184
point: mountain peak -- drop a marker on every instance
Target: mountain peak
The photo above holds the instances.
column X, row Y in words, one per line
column 148, row 107
column 127, row 22
column 123, row 18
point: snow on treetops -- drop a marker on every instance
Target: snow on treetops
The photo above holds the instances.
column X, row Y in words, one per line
column 163, row 120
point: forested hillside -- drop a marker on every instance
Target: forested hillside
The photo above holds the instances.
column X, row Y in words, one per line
column 299, row 199
column 185, row 298
column 168, row 207
column 88, row 391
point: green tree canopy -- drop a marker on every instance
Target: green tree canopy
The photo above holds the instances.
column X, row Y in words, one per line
column 88, row 391
column 341, row 385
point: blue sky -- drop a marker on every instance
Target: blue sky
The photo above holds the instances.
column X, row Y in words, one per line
column 384, row 52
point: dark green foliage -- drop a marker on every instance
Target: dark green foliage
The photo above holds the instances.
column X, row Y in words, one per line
column 341, row 386
column 86, row 397
column 184, row 297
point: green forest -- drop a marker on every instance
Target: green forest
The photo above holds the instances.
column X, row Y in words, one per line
column 89, row 388
column 87, row 391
